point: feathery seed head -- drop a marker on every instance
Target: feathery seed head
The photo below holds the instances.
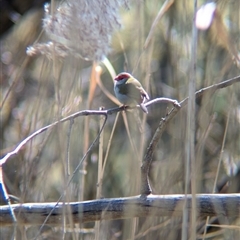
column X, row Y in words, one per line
column 84, row 27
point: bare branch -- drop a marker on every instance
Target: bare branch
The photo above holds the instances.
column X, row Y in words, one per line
column 73, row 116
column 225, row 205
column 213, row 88
column 68, row 118
column 145, row 186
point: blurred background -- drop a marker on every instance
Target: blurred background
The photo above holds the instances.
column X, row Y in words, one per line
column 41, row 84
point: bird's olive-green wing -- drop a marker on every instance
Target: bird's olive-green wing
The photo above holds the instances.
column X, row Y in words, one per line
column 139, row 87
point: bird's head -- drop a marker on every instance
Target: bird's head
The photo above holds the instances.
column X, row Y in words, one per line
column 122, row 76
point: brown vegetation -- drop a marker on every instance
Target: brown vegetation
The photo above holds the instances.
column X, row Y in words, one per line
column 64, row 139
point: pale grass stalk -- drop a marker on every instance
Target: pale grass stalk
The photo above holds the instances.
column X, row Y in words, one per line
column 109, row 67
column 68, row 149
column 201, row 143
column 134, row 221
column 112, row 72
column 167, row 4
column 86, row 140
column 192, row 109
column 29, row 154
column 64, row 225
column 57, row 69
column 219, row 164
column 108, row 146
column 56, row 75
column 129, row 136
column 140, row 26
column 189, row 147
column 84, row 165
column 144, row 119
column 100, row 173
column 72, row 176
column 141, row 36
column 212, row 234
column 107, row 93
column 86, row 131
column 70, row 224
column 66, row 175
column 123, row 50
column 15, row 77
column 146, row 83
column 66, row 191
column 134, row 224
column 222, row 148
column 153, row 228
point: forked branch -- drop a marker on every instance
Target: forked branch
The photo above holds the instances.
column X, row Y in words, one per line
column 145, row 185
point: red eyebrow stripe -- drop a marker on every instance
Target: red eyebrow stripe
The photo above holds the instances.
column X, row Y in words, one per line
column 122, row 76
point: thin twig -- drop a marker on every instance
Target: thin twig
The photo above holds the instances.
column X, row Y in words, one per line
column 145, row 186
column 71, row 117
column 213, row 88
column 68, row 118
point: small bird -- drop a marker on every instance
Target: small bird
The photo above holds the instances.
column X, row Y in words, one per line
column 129, row 90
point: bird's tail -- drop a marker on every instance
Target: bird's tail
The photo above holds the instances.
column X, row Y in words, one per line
column 138, row 120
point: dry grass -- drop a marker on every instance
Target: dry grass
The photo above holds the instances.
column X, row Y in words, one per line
column 41, row 89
